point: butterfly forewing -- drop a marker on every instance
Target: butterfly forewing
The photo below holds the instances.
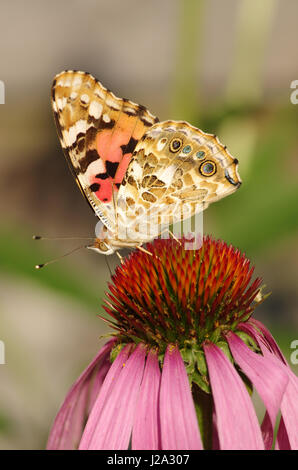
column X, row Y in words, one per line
column 98, row 133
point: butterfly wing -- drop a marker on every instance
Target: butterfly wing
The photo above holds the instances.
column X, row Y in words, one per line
column 98, row 133
column 176, row 171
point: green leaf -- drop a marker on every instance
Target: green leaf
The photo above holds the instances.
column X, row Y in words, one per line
column 248, row 340
column 223, row 345
column 116, row 350
column 201, row 362
column 200, row 380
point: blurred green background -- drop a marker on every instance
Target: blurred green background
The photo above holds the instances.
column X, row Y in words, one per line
column 224, row 65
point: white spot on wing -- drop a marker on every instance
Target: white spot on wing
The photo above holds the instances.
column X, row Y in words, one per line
column 99, row 93
column 85, row 99
column 130, row 110
column 71, row 135
column 137, row 170
column 61, row 102
column 167, row 174
column 81, row 126
column 93, row 169
column 67, row 81
column 95, row 109
column 161, row 144
column 73, row 95
column 106, row 118
column 77, row 81
column 112, row 103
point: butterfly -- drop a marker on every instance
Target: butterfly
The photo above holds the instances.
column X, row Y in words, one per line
column 138, row 174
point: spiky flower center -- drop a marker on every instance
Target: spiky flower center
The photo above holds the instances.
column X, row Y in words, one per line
column 181, row 296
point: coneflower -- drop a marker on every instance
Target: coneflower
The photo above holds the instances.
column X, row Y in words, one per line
column 185, row 357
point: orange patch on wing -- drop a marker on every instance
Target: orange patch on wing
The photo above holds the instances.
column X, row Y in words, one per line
column 108, row 144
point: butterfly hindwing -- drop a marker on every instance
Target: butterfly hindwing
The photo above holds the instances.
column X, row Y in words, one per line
column 176, row 171
column 98, row 133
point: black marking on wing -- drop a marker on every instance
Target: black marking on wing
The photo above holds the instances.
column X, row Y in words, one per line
column 81, row 141
column 230, row 179
column 102, row 176
column 130, row 113
column 141, row 109
column 111, row 168
column 59, row 127
column 53, row 90
column 94, row 187
column 106, row 125
column 91, row 156
column 92, row 120
column 91, row 134
column 130, row 146
column 147, row 123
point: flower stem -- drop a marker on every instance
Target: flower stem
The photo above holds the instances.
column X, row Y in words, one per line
column 204, row 409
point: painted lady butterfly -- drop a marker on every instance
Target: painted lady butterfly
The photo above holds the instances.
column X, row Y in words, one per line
column 138, row 174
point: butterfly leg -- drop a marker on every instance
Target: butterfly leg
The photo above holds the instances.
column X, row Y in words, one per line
column 172, row 235
column 120, row 257
column 139, row 247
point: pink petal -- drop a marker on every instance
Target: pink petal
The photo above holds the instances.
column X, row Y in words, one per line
column 267, row 431
column 289, row 410
column 237, row 423
column 289, row 404
column 178, row 421
column 107, row 385
column 269, row 338
column 215, row 440
column 146, row 427
column 267, row 376
column 282, row 440
column 110, row 423
column 68, row 425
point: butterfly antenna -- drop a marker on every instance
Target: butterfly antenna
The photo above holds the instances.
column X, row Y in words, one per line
column 42, row 265
column 39, row 237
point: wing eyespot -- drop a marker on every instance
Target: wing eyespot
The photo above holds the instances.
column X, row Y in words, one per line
column 176, row 144
column 208, row 168
column 187, row 149
column 200, row 155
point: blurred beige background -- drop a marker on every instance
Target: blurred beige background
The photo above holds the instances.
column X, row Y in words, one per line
column 225, row 65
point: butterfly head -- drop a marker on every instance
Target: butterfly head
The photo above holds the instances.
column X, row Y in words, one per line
column 197, row 163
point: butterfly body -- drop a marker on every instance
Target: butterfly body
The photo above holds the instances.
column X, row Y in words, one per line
column 138, row 174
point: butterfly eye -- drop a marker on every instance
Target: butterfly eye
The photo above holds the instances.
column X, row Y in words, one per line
column 208, row 168
column 103, row 247
column 186, row 149
column 200, row 154
column 175, row 145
